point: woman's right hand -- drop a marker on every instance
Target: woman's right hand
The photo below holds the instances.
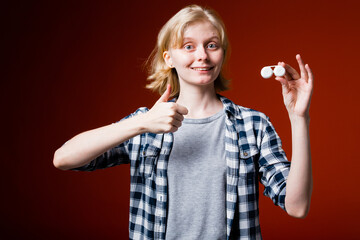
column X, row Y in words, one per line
column 83, row 148
column 164, row 116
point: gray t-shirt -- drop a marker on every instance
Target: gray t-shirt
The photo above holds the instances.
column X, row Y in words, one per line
column 197, row 180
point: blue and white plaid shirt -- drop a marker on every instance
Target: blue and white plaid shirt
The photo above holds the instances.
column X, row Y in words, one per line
column 253, row 152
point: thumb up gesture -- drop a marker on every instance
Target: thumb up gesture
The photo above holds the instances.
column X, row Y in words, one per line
column 164, row 116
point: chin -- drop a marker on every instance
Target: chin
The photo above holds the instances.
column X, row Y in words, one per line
column 199, row 80
column 204, row 82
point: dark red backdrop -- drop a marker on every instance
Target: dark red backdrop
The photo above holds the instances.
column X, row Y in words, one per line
column 72, row 66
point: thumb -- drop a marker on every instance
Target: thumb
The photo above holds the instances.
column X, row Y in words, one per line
column 166, row 95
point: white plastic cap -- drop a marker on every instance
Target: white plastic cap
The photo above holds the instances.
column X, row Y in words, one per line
column 266, row 72
column 279, row 71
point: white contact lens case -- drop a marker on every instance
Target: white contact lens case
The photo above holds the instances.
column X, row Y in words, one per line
column 267, row 72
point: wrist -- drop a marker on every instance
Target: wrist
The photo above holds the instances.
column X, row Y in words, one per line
column 294, row 118
column 140, row 123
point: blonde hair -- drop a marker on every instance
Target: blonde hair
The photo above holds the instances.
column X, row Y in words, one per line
column 171, row 35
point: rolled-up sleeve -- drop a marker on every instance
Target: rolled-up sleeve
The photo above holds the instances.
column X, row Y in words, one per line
column 273, row 165
column 113, row 157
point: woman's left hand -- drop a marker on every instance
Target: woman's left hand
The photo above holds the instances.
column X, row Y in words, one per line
column 297, row 89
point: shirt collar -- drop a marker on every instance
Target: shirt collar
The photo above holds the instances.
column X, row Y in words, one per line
column 230, row 108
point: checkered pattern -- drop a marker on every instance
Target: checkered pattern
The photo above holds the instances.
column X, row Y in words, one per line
column 253, row 152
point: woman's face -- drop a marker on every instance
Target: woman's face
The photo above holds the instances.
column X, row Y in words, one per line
column 199, row 60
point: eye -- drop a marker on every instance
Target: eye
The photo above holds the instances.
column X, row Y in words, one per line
column 212, row 46
column 188, row 47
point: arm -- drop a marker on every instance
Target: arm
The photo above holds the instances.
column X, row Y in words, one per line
column 297, row 91
column 83, row 148
column 86, row 146
column 299, row 182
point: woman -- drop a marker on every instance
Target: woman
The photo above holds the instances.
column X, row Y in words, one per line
column 195, row 160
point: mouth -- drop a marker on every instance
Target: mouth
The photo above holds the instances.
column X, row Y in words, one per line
column 202, row 69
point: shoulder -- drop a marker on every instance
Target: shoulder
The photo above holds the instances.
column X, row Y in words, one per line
column 241, row 112
column 252, row 120
column 246, row 112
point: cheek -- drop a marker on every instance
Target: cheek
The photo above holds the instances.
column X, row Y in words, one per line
column 180, row 61
column 218, row 58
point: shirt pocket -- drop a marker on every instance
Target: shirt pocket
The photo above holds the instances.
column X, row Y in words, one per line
column 148, row 160
column 248, row 164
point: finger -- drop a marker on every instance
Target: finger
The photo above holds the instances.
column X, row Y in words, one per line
column 169, row 128
column 179, row 117
column 282, row 80
column 176, row 123
column 172, row 129
column 291, row 73
column 310, row 74
column 284, row 84
column 166, row 95
column 181, row 109
column 173, row 125
column 303, row 72
column 287, row 76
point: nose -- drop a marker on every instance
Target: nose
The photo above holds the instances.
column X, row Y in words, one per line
column 201, row 53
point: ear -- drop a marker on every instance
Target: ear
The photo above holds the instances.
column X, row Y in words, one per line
column 167, row 59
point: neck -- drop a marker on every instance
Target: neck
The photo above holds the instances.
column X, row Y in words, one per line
column 200, row 101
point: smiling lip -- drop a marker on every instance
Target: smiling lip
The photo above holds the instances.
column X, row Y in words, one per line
column 202, row 69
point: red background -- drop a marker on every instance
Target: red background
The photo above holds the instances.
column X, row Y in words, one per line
column 73, row 66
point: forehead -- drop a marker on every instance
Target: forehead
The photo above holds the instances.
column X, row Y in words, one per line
column 200, row 30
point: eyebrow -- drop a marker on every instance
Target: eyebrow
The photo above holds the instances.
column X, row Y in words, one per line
column 211, row 38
